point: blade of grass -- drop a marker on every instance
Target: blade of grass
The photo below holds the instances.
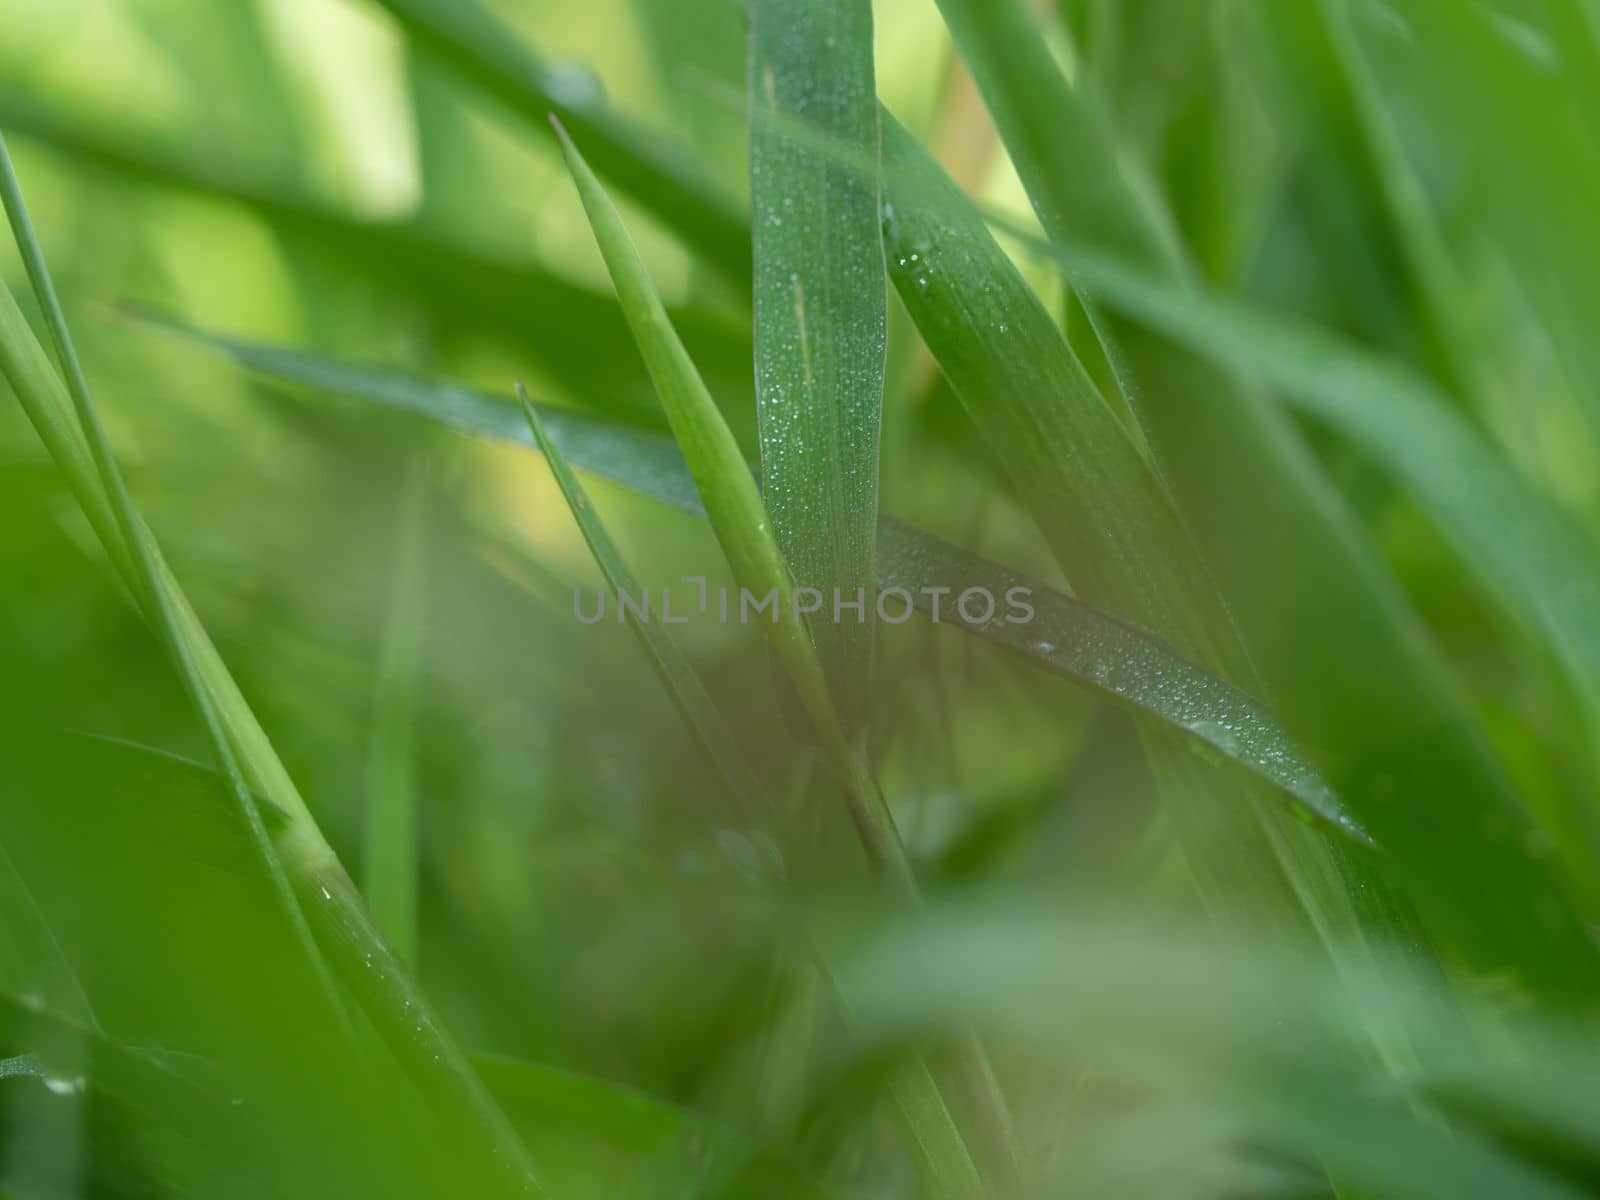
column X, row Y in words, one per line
column 728, row 491
column 734, row 507
column 666, row 657
column 146, row 578
column 36, row 956
column 627, row 1118
column 321, row 889
column 660, row 178
column 821, row 308
column 1066, row 636
column 1264, row 512
column 1532, row 556
column 929, row 1127
column 1112, row 527
column 582, row 343
column 390, row 855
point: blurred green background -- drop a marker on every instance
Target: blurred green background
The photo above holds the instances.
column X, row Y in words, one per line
column 1418, row 177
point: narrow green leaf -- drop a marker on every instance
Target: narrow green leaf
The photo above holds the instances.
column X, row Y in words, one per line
column 734, row 507
column 1530, row 555
column 322, row 890
column 572, row 335
column 660, row 178
column 390, row 855
column 1271, row 526
column 666, row 657
column 146, row 579
column 820, row 311
column 31, row 955
column 1066, row 636
column 625, row 1117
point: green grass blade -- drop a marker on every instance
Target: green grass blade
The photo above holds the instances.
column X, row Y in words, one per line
column 1533, row 557
column 572, row 335
column 663, row 181
column 737, row 515
column 322, row 890
column 1066, row 636
column 1263, row 512
column 820, row 312
column 390, row 862
column 735, row 510
column 666, row 657
column 31, row 955
column 627, row 1118
column 146, row 580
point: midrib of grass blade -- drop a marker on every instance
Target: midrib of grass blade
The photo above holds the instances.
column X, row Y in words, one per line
column 821, row 305
column 1068, row 637
column 662, row 180
column 322, row 892
column 734, row 507
column 1263, row 511
column 389, row 853
column 666, row 657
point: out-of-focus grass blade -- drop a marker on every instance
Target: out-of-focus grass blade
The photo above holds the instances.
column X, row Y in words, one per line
column 1272, row 1032
column 820, row 312
column 390, row 856
column 577, row 339
column 662, row 180
column 1340, row 653
column 667, row 659
column 321, row 889
column 31, row 955
column 1066, row 636
column 553, row 1100
column 624, row 1117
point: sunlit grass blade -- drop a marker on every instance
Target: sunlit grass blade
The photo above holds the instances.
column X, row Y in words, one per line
column 666, row 657
column 663, row 181
column 820, row 314
column 1067, row 636
column 390, row 863
column 321, row 889
column 1263, row 512
column 577, row 340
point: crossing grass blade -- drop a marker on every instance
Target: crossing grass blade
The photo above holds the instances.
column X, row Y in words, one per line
column 820, row 313
column 664, row 181
column 666, row 657
column 390, row 864
column 1263, row 513
column 1533, row 557
column 1066, row 636
column 297, row 853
